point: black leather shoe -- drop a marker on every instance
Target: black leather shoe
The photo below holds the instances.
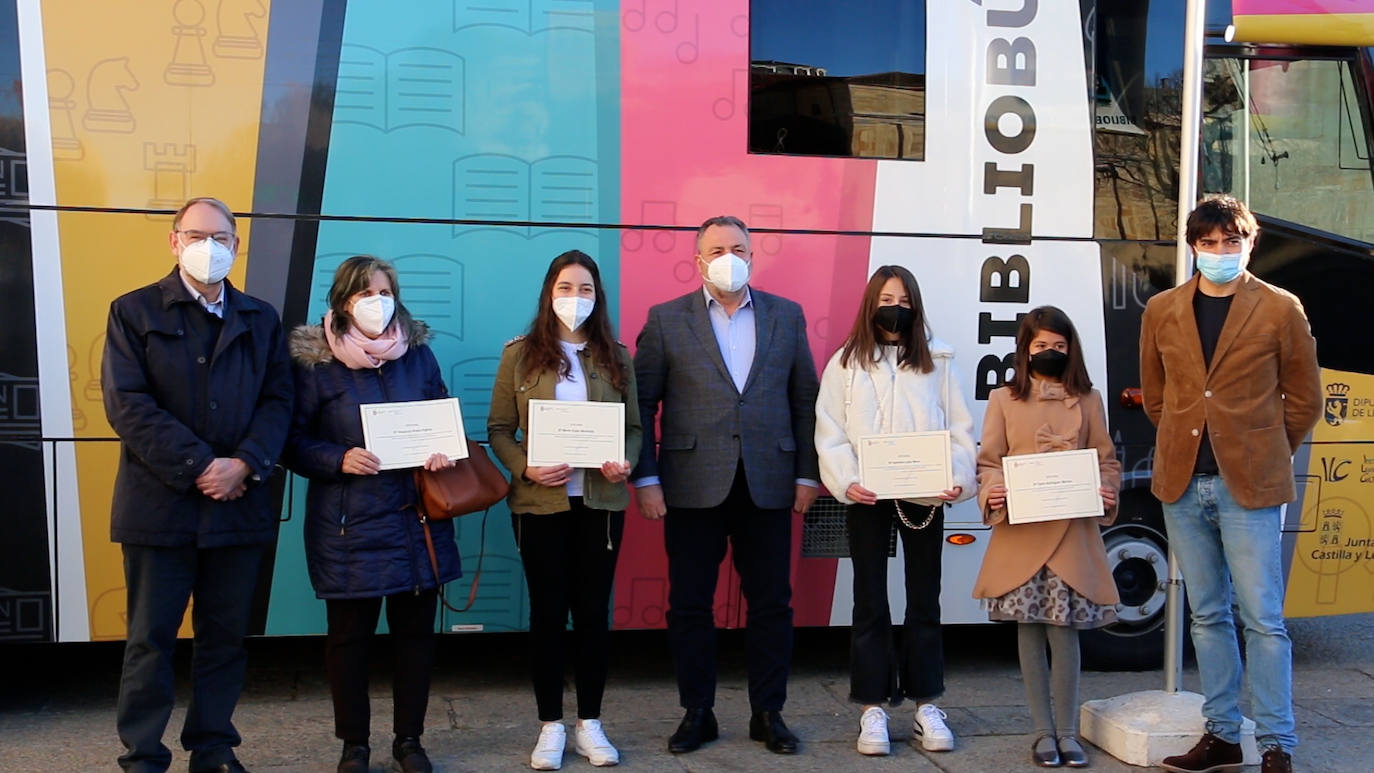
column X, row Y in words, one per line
column 767, row 726
column 697, row 727
column 354, row 758
column 410, row 756
column 232, row 766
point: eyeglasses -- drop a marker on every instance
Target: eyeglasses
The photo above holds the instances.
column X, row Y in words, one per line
column 189, row 236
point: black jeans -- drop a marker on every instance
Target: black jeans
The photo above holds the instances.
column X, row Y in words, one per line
column 352, row 624
column 762, row 547
column 881, row 669
column 569, row 560
column 160, row 582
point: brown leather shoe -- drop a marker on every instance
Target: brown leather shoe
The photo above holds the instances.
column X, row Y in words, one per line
column 1209, row 755
column 1276, row 760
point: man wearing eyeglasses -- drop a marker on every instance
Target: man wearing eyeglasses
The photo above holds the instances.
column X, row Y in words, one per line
column 197, row 385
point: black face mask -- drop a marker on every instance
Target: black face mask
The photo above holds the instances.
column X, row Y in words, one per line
column 1049, row 363
column 893, row 319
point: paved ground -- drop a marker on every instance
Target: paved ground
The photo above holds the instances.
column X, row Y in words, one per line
column 57, row 707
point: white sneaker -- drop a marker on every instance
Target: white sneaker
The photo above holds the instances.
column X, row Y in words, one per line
column 590, row 742
column 873, row 732
column 930, row 727
column 548, row 752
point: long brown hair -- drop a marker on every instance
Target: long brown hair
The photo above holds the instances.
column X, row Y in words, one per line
column 542, row 349
column 352, row 277
column 913, row 348
column 1053, row 319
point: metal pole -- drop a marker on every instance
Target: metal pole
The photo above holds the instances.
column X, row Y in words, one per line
column 1245, row 125
column 1191, row 128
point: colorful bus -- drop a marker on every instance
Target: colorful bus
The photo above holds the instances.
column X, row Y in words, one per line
column 1011, row 153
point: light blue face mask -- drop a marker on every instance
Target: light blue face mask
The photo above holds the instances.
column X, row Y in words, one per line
column 1223, row 267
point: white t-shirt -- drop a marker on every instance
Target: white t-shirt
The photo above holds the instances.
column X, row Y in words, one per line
column 574, row 387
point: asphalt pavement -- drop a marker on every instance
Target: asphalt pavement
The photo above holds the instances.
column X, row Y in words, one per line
column 57, row 706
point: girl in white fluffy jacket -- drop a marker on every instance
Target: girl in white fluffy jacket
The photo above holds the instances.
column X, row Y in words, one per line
column 891, row 376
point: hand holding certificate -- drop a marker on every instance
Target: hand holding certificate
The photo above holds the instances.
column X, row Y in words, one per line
column 406, row 434
column 913, row 465
column 1052, row 486
column 575, row 433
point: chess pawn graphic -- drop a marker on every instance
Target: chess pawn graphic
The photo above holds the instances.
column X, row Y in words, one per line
column 188, row 66
column 62, row 115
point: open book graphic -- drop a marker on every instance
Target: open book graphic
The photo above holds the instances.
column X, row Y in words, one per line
column 528, row 16
column 407, row 87
column 558, row 189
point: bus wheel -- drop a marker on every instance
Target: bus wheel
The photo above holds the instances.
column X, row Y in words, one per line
column 1138, row 556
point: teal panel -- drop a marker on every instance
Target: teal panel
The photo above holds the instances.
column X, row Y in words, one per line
column 500, row 111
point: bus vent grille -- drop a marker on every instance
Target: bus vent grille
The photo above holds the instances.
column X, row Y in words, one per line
column 823, row 532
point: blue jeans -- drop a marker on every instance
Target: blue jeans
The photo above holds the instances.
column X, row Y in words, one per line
column 1211, row 533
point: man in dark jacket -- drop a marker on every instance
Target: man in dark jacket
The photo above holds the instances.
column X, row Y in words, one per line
column 198, row 387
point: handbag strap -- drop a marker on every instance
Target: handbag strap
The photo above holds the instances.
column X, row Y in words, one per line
column 434, row 563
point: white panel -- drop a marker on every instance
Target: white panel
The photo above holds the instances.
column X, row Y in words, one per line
column 64, row 511
column 944, row 194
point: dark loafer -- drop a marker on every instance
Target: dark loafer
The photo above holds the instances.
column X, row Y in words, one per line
column 1046, row 755
column 232, row 766
column 1071, row 752
column 410, row 755
column 697, row 727
column 767, row 726
column 354, row 758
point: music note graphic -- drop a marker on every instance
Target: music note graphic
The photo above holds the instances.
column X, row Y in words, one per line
column 740, row 25
column 188, row 66
column 724, row 108
column 689, row 50
column 767, row 216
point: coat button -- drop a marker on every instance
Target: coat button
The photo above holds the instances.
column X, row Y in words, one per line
column 1194, row 433
column 200, row 360
column 593, row 374
column 180, row 332
column 190, row 462
column 1208, row 393
column 214, row 406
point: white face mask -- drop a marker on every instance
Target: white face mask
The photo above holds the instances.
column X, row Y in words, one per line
column 206, row 261
column 573, row 311
column 373, row 313
column 728, row 273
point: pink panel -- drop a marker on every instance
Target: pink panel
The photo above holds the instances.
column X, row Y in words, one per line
column 684, row 124
column 1248, row 7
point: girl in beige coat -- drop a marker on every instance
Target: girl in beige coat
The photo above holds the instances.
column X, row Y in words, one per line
column 1050, row 577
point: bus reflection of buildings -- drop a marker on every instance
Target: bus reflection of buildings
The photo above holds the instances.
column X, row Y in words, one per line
column 797, row 108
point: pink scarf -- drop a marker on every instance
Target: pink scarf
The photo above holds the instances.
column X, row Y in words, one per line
column 357, row 351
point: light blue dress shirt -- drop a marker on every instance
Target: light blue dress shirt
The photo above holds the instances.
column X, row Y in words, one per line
column 737, row 339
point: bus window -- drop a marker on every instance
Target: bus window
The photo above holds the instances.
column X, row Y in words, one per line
column 1288, row 136
column 837, row 79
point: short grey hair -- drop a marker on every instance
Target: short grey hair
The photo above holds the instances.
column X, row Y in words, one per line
column 212, row 201
column 722, row 220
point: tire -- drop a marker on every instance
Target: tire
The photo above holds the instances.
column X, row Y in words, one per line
column 1137, row 553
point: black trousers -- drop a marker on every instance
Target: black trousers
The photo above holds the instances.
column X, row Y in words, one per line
column 882, row 669
column 569, row 560
column 160, row 582
column 347, row 649
column 762, row 544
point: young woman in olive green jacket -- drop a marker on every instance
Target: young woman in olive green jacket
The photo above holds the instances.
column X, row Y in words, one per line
column 568, row 522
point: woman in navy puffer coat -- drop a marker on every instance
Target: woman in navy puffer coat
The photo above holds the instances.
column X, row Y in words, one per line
column 363, row 542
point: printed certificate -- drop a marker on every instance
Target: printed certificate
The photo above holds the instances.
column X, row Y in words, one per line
column 1053, row 486
column 578, row 434
column 406, row 434
column 912, row 465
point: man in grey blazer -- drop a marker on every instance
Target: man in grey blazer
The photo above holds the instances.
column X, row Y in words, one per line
column 731, row 369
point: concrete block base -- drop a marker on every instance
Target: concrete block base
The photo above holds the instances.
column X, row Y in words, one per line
column 1143, row 728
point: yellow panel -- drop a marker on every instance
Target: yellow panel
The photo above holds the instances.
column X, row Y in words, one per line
column 151, row 103
column 154, row 102
column 1333, row 562
column 1317, row 29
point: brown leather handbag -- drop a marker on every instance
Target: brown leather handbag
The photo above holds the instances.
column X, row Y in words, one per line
column 470, row 485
